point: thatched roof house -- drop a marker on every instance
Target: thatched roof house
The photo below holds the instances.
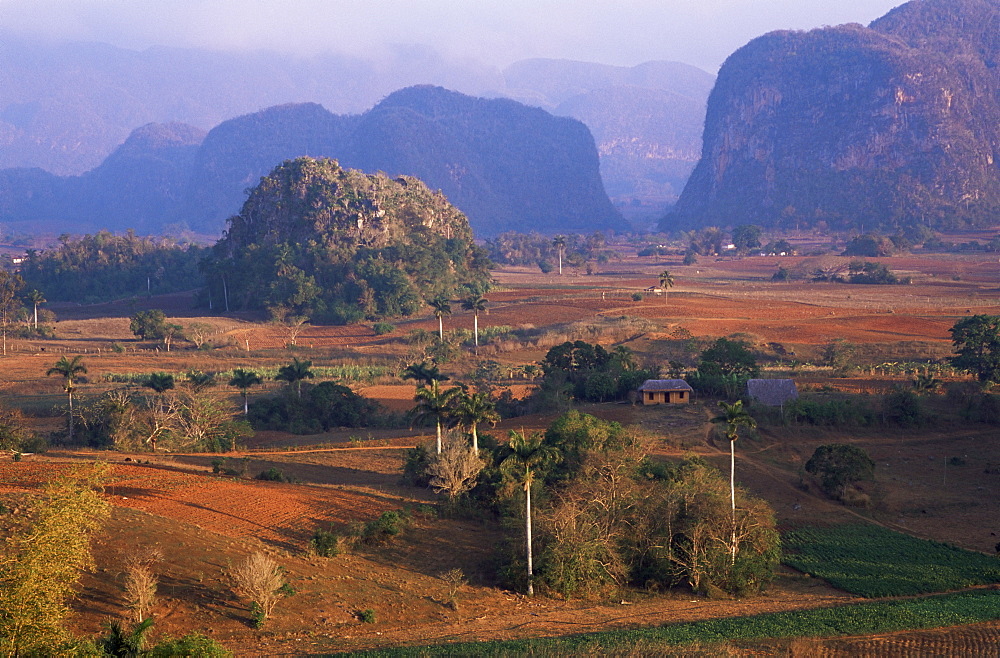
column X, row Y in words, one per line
column 772, row 392
column 665, row 391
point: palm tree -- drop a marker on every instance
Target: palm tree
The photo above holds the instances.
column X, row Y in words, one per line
column 472, row 409
column 734, row 416
column 199, row 381
column 36, row 298
column 475, row 303
column 434, row 403
column 295, row 372
column 442, row 307
column 559, row 242
column 243, row 380
column 666, row 283
column 68, row 369
column 160, row 382
column 423, row 373
column 527, row 457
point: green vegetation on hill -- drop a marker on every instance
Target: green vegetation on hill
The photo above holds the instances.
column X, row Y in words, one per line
column 337, row 245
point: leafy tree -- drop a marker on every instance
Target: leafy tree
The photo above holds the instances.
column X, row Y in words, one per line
column 243, row 380
column 442, row 307
column 434, row 403
column 977, row 346
column 735, row 417
column 295, row 372
column 475, row 303
column 724, row 368
column 199, row 381
column 149, row 325
column 10, row 304
column 838, row 465
column 160, row 382
column 528, row 456
column 69, row 370
column 42, row 562
column 746, row 238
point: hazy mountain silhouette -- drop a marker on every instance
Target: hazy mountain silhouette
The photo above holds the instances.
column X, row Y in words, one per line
column 892, row 125
column 506, row 165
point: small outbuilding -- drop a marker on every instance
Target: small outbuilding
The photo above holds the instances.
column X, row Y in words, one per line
column 665, row 391
column 772, row 392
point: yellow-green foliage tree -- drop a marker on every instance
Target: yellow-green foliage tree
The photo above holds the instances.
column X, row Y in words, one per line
column 43, row 559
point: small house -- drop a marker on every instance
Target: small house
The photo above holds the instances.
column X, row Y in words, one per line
column 665, row 391
column 772, row 392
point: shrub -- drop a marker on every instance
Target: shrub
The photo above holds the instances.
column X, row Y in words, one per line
column 383, row 328
column 260, row 580
column 274, row 474
column 326, row 543
column 637, row 297
column 839, row 465
column 193, row 644
column 366, row 616
column 383, row 529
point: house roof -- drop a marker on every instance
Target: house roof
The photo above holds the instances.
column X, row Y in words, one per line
column 651, row 385
column 772, row 392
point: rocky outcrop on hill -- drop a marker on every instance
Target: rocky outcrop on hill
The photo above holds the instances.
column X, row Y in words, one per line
column 892, row 125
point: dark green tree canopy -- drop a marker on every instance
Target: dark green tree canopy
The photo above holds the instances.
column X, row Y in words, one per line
column 728, row 357
column 977, row 346
column 838, row 465
column 338, row 245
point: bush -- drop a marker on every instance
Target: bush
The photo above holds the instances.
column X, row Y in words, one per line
column 326, row 543
column 193, row 644
column 839, row 465
column 637, row 297
column 383, row 529
column 383, row 328
column 415, row 465
column 274, row 474
column 366, row 616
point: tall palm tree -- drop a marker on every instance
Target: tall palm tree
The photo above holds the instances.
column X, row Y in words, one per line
column 559, row 242
column 423, row 373
column 528, row 455
column 434, row 403
column 666, row 283
column 472, row 409
column 442, row 307
column 69, row 369
column 475, row 303
column 36, row 298
column 734, row 416
column 295, row 372
column 243, row 380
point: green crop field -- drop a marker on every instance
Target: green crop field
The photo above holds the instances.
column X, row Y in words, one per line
column 871, row 561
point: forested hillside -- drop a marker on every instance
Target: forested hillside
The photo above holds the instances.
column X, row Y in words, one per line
column 318, row 241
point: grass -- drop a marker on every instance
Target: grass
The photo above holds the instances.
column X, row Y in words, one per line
column 346, row 372
column 860, row 619
column 871, row 561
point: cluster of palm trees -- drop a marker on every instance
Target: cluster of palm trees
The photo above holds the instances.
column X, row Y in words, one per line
column 455, row 406
column 442, row 307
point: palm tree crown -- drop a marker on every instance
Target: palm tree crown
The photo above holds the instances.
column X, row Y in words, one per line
column 472, row 409
column 666, row 283
column 442, row 307
column 36, row 297
column 243, row 380
column 434, row 403
column 68, row 369
column 528, row 455
column 295, row 372
column 424, row 373
column 475, row 303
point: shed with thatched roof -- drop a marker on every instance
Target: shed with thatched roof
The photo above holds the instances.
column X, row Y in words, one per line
column 772, row 392
column 665, row 391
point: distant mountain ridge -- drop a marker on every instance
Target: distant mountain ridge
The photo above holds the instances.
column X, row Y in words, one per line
column 888, row 126
column 64, row 107
column 506, row 165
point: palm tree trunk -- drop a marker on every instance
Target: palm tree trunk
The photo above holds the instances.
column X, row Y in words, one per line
column 527, row 527
column 475, row 439
column 70, row 393
column 246, row 404
column 475, row 324
column 732, row 494
column 441, row 328
column 36, row 316
column 439, row 436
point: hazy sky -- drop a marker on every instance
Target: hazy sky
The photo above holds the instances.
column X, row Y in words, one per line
column 625, row 32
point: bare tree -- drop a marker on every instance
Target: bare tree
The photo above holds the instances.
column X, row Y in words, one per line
column 259, row 580
column 140, row 580
column 455, row 469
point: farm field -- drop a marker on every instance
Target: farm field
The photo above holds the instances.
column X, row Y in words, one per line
column 932, row 482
